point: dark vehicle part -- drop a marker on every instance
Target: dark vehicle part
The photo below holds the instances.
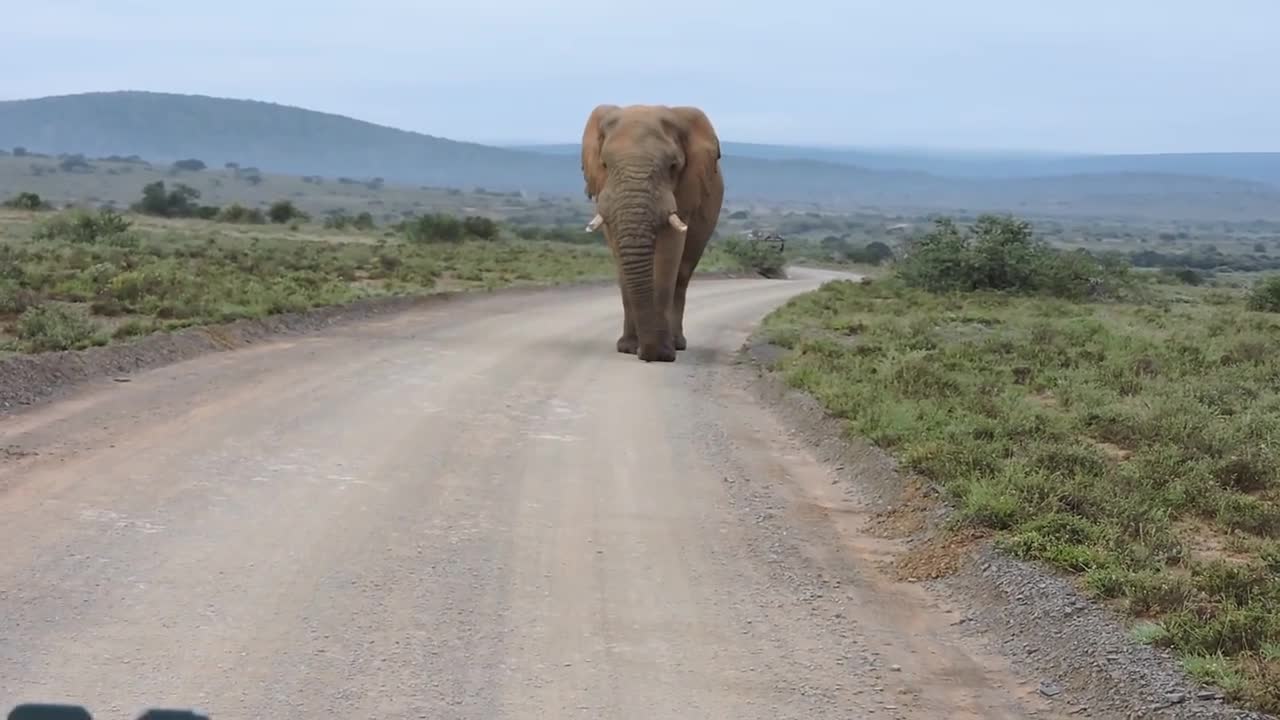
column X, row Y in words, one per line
column 46, row 711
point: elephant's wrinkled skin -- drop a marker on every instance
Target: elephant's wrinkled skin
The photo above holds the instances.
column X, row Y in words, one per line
column 654, row 174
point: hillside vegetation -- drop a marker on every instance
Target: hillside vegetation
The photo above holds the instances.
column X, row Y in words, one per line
column 74, row 279
column 166, row 128
column 1113, row 425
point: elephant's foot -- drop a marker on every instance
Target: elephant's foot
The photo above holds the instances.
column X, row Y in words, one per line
column 681, row 342
column 657, row 352
column 628, row 344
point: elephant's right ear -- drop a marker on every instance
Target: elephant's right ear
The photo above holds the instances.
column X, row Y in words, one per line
column 592, row 139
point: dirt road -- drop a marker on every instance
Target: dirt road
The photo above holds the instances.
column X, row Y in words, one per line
column 478, row 510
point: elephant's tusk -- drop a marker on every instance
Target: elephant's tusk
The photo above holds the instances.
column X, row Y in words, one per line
column 676, row 222
column 595, row 223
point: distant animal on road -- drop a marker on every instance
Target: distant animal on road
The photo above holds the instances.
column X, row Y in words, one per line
column 653, row 172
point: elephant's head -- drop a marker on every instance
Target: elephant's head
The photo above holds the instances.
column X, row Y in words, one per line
column 648, row 169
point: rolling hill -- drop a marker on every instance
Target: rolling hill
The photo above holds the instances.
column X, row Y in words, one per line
column 163, row 127
column 1261, row 167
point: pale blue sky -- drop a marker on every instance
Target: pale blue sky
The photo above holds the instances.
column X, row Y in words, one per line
column 1086, row 75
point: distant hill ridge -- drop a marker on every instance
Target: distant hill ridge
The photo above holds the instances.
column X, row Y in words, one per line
column 284, row 139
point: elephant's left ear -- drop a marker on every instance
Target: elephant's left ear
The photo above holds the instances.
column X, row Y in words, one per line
column 701, row 157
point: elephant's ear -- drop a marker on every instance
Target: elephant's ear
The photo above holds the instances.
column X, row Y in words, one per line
column 701, row 157
column 592, row 139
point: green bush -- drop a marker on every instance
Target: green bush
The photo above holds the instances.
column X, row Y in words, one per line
column 14, row 299
column 434, row 228
column 758, row 257
column 283, row 211
column 86, row 228
column 340, row 220
column 49, row 327
column 480, row 227
column 1001, row 253
column 159, row 201
column 237, row 213
column 1265, row 295
column 27, row 201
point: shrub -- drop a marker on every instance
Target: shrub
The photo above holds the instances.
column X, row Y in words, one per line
column 340, row 220
column 480, row 227
column 237, row 213
column 1001, row 253
column 1265, row 295
column 190, row 165
column 433, row 228
column 85, row 228
column 49, row 327
column 27, row 201
column 14, row 299
column 1185, row 276
column 74, row 164
column 283, row 211
column 159, row 201
column 762, row 258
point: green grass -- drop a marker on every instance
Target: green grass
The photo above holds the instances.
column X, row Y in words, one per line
column 1136, row 444
column 75, row 279
column 67, row 282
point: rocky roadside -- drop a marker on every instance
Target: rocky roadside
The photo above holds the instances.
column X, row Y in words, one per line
column 1079, row 652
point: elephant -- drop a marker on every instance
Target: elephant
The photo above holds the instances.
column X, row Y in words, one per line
column 653, row 172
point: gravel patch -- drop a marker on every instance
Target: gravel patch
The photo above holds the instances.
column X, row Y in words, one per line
column 1080, row 652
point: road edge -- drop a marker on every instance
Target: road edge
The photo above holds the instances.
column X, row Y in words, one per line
column 31, row 380
column 1079, row 650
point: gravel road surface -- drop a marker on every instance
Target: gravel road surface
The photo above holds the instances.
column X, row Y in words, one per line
column 478, row 510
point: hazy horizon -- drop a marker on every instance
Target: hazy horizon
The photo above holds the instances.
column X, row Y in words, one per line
column 995, row 75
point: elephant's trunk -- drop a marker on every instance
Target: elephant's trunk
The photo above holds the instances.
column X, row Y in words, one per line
column 635, row 215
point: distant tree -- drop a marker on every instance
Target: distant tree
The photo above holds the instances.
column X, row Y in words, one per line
column 190, row 165
column 232, row 165
column 75, row 163
column 27, row 201
column 178, row 202
column 877, row 252
column 19, row 151
column 237, row 213
column 1260, row 248
column 283, row 211
column 480, row 227
column 434, row 228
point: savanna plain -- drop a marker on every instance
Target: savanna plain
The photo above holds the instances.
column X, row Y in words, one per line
column 1094, row 396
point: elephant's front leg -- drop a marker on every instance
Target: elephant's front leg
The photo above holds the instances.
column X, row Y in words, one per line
column 677, row 307
column 629, row 341
column 667, row 288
